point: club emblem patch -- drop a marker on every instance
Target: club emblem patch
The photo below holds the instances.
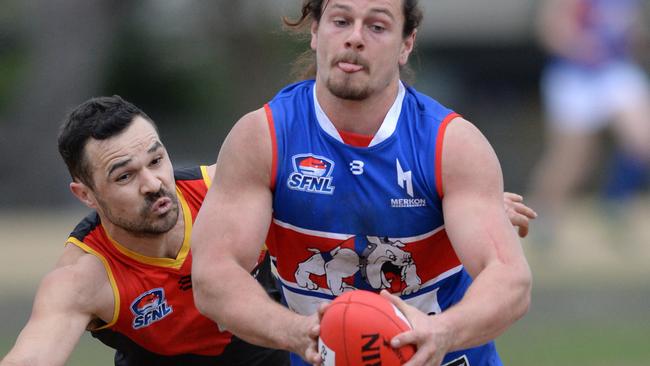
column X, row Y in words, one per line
column 149, row 307
column 311, row 173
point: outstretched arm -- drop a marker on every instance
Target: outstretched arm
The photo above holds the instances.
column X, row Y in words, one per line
column 227, row 238
column 65, row 301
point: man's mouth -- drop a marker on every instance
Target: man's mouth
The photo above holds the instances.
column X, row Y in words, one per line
column 349, row 67
column 161, row 206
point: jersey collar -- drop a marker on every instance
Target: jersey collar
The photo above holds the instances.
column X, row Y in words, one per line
column 387, row 128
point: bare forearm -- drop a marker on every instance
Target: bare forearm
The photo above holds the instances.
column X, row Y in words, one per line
column 242, row 306
column 494, row 301
column 36, row 350
column 50, row 334
column 8, row 361
column 12, row 360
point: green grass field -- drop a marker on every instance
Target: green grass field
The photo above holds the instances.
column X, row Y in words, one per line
column 591, row 298
column 581, row 327
column 577, row 343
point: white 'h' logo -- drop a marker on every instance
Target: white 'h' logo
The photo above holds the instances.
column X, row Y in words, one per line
column 404, row 177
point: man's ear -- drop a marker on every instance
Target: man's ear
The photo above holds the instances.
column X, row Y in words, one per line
column 314, row 35
column 83, row 194
column 407, row 47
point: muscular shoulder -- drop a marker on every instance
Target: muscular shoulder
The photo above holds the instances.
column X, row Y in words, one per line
column 247, row 150
column 80, row 282
column 253, row 125
column 468, row 158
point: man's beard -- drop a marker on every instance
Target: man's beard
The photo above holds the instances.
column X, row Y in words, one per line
column 146, row 224
column 345, row 90
column 345, row 87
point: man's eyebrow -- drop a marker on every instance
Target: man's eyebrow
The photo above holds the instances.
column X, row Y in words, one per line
column 373, row 10
column 383, row 11
column 118, row 165
column 341, row 6
column 157, row 145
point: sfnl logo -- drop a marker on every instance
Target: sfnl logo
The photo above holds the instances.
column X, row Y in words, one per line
column 311, row 173
column 150, row 307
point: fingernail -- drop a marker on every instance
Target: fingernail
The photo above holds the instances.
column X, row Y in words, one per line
column 395, row 342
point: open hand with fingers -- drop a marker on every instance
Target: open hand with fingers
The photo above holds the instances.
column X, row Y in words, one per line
column 307, row 336
column 431, row 340
column 518, row 213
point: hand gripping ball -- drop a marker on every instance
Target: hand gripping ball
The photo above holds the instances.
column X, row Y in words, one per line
column 356, row 330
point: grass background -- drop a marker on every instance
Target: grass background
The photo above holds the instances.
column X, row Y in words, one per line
column 591, row 297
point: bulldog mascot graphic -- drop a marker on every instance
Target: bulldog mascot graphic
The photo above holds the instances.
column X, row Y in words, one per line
column 380, row 258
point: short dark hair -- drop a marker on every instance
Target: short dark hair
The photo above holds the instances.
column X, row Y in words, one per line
column 312, row 10
column 98, row 118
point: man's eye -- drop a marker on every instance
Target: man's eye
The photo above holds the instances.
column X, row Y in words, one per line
column 156, row 161
column 123, row 177
column 377, row 28
column 340, row 22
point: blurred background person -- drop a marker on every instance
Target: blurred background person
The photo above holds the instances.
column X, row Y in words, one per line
column 590, row 82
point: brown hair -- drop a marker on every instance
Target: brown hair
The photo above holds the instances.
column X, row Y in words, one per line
column 98, row 118
column 304, row 67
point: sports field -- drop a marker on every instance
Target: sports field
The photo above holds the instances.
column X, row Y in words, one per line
column 591, row 299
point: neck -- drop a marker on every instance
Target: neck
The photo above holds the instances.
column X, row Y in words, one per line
column 166, row 245
column 357, row 116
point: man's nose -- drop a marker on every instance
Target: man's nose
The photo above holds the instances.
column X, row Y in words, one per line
column 150, row 182
column 355, row 38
